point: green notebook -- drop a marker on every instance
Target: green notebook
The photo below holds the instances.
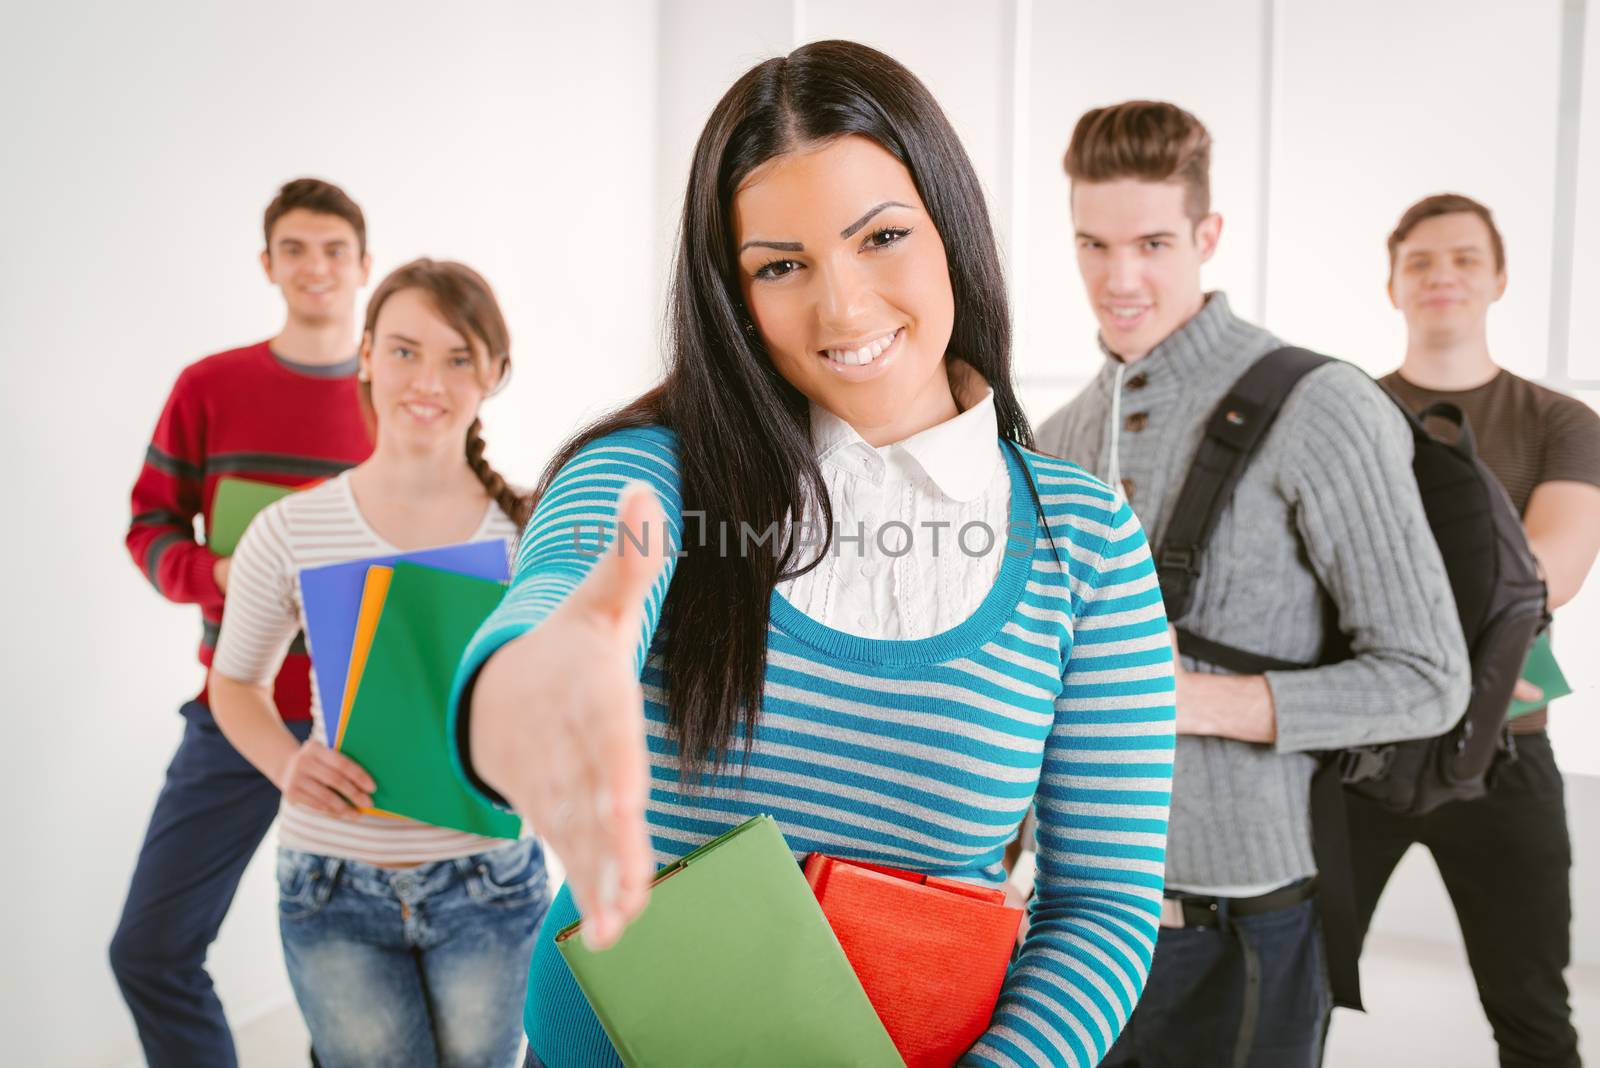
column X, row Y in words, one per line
column 236, row 502
column 1542, row 670
column 397, row 728
column 732, row 962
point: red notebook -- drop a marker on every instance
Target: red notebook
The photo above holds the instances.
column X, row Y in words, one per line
column 931, row 953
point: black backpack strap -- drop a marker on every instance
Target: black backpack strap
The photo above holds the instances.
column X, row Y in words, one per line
column 1330, row 832
column 1233, row 433
column 1238, row 661
column 1336, row 890
column 1451, row 413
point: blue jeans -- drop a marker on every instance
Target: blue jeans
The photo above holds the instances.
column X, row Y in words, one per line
column 1197, row 1005
column 212, row 813
column 423, row 966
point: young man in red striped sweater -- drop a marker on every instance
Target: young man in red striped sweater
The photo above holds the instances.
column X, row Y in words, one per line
column 283, row 411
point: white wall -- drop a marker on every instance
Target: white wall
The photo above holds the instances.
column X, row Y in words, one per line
column 1368, row 122
column 142, row 145
column 1577, row 731
column 548, row 146
column 1583, row 349
column 1079, row 63
column 704, row 46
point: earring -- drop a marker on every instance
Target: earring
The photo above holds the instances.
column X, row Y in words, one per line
column 361, row 375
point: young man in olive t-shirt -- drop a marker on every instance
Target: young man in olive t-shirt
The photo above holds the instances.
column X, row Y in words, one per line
column 1505, row 858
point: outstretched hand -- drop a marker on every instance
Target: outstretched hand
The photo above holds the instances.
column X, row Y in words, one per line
column 557, row 725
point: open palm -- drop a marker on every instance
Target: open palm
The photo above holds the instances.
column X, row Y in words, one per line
column 558, row 725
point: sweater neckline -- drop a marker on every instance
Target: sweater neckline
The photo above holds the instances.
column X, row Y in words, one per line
column 1428, row 391
column 484, row 531
column 1195, row 351
column 345, row 368
column 960, row 640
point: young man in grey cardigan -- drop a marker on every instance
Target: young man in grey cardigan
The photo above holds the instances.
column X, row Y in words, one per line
column 1325, row 530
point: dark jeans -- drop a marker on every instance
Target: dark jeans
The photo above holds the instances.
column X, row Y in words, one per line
column 1251, row 992
column 211, row 815
column 1506, row 860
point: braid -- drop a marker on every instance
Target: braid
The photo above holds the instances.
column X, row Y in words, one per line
column 518, row 507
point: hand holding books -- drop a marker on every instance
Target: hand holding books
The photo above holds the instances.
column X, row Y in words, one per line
column 557, row 725
column 329, row 782
column 1541, row 675
column 742, row 960
column 385, row 634
column 734, row 964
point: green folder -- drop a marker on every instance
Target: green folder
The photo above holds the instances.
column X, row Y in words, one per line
column 1542, row 670
column 397, row 728
column 236, row 502
column 732, row 962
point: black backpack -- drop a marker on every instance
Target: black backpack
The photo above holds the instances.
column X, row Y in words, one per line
column 1498, row 592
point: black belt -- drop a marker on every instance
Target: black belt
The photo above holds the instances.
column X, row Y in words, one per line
column 1218, row 913
column 1202, row 911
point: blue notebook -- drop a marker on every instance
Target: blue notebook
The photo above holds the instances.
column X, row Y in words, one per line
column 332, row 598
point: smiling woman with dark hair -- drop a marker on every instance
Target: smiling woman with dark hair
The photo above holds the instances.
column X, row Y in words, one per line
column 977, row 628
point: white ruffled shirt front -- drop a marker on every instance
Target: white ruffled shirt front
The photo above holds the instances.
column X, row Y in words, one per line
column 920, row 527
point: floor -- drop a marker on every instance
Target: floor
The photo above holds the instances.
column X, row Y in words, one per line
column 1424, row 1014
column 1423, row 1010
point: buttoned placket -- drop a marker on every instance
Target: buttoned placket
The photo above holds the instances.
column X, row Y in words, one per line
column 870, row 492
column 1113, row 432
column 1136, row 422
column 404, row 884
column 879, row 496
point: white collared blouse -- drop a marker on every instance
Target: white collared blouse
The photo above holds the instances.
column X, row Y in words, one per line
column 920, row 527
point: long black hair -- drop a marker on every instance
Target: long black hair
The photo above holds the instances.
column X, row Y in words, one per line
column 743, row 431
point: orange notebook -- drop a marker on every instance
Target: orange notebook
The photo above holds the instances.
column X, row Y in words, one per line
column 931, row 953
column 372, row 598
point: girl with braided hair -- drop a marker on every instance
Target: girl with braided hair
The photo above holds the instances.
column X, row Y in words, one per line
column 406, row 943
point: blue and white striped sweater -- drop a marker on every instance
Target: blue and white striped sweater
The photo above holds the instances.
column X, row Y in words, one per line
column 923, row 754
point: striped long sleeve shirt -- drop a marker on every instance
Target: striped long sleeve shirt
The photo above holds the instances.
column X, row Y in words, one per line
column 922, row 754
column 246, row 413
